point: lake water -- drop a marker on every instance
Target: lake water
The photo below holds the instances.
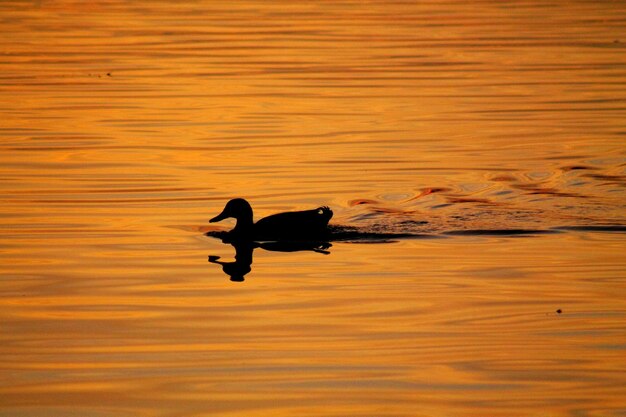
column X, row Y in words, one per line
column 494, row 133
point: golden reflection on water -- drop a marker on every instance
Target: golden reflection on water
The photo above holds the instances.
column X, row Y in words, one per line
column 127, row 125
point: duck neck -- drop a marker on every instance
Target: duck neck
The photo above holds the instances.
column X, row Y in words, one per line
column 244, row 224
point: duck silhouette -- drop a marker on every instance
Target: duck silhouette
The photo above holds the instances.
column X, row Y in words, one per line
column 295, row 225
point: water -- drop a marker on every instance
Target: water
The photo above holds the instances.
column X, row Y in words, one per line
column 495, row 133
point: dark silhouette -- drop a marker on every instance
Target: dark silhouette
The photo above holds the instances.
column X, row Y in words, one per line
column 297, row 225
column 244, row 249
column 243, row 261
column 284, row 232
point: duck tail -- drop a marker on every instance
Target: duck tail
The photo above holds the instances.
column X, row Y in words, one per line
column 325, row 212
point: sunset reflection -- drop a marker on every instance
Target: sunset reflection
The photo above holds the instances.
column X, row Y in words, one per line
column 472, row 156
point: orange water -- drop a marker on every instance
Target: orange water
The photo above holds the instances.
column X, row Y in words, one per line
column 125, row 126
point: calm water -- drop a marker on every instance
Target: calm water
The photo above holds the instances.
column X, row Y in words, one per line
column 125, row 126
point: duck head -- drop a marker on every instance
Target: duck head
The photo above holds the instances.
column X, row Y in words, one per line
column 239, row 209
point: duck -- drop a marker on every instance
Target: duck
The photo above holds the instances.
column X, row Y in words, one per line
column 294, row 225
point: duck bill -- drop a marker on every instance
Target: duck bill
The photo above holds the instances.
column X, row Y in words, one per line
column 219, row 217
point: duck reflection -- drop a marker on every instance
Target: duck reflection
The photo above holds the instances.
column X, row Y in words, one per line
column 244, row 249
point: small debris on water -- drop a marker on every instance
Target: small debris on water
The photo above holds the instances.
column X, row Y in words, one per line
column 108, row 74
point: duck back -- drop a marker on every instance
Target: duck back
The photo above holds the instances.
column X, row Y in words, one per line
column 297, row 225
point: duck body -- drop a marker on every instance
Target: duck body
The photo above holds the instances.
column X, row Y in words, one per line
column 295, row 225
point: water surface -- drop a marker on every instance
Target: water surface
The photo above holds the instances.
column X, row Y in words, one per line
column 492, row 133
